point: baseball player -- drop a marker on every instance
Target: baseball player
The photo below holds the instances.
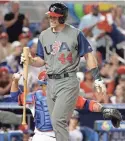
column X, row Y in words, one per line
column 59, row 49
column 74, row 130
column 37, row 104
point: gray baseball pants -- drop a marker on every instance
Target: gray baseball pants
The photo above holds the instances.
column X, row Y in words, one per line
column 61, row 99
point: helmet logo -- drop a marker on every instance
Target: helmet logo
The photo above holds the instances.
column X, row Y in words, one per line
column 53, row 8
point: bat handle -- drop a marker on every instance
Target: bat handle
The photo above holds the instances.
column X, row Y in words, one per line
column 24, row 104
column 25, row 69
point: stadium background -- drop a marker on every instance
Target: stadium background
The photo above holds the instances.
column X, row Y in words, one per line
column 112, row 67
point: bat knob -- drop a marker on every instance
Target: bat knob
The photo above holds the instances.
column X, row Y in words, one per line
column 23, row 127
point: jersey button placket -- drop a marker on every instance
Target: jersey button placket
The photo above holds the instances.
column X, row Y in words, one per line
column 53, row 63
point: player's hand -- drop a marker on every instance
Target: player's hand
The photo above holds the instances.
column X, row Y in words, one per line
column 16, row 76
column 100, row 86
column 23, row 59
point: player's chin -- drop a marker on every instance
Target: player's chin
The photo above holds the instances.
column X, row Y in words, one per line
column 52, row 25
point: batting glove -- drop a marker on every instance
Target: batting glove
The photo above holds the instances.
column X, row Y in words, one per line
column 23, row 59
column 100, row 86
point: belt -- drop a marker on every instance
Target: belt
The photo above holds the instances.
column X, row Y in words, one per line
column 44, row 131
column 58, row 76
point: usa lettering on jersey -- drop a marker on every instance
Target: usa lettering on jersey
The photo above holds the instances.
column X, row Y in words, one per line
column 59, row 47
column 56, row 47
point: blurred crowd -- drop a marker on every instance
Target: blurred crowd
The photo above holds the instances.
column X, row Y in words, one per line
column 106, row 34
column 104, row 31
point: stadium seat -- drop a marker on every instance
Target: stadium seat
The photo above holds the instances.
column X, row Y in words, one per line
column 17, row 135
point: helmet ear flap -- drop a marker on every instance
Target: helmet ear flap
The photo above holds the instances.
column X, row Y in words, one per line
column 61, row 20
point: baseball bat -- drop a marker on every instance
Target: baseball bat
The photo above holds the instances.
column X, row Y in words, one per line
column 25, row 78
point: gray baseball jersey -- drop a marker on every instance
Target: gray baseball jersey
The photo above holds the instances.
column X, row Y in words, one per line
column 61, row 51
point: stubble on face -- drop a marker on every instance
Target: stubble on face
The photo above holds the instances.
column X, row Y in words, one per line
column 54, row 22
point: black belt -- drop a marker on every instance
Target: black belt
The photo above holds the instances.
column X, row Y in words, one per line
column 58, row 76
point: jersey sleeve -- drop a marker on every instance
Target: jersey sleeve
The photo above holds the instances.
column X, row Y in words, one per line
column 80, row 102
column 83, row 45
column 85, row 104
column 40, row 51
column 14, row 95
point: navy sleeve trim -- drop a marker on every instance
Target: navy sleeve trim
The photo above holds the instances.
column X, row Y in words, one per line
column 83, row 45
column 40, row 51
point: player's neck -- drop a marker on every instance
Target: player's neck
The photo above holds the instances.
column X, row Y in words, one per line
column 71, row 127
column 58, row 28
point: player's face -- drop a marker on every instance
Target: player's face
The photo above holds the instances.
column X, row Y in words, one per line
column 53, row 21
column 73, row 122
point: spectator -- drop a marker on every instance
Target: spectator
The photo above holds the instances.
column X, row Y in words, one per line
column 5, row 46
column 88, row 25
column 118, row 39
column 44, row 24
column 120, row 17
column 24, row 39
column 88, row 88
column 112, row 66
column 113, row 13
column 74, row 131
column 1, row 28
column 119, row 95
column 13, row 60
column 108, row 72
column 110, row 29
column 5, row 81
column 88, row 85
column 121, row 80
column 14, row 21
column 32, row 44
column 121, row 70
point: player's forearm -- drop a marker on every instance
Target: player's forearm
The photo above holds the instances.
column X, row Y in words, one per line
column 37, row 62
column 92, row 106
column 92, row 65
column 91, row 61
column 97, row 107
column 14, row 86
column 88, row 105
